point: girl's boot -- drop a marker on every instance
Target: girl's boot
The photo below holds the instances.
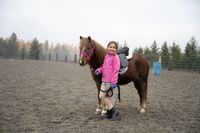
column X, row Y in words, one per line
column 113, row 113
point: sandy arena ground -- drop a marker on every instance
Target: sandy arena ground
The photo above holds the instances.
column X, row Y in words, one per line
column 60, row 97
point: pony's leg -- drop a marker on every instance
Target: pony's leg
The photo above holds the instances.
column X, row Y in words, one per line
column 99, row 106
column 104, row 109
column 141, row 87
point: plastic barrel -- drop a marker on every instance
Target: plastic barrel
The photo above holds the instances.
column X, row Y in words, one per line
column 156, row 68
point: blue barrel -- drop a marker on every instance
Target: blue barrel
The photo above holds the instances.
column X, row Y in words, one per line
column 156, row 68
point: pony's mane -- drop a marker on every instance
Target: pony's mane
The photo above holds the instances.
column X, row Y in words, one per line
column 100, row 52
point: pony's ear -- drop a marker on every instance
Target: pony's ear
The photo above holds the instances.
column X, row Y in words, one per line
column 81, row 37
column 89, row 38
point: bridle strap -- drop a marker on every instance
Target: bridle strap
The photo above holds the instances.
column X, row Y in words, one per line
column 86, row 55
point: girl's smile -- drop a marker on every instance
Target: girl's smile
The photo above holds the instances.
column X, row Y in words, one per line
column 112, row 48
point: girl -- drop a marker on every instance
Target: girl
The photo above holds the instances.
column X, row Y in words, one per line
column 110, row 71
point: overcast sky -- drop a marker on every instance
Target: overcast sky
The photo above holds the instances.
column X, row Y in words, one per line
column 138, row 22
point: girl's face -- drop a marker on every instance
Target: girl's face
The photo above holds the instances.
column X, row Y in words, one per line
column 112, row 48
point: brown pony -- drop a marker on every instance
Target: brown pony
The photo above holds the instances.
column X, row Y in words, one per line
column 92, row 53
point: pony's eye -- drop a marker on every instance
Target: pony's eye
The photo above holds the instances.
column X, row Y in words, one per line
column 81, row 47
column 87, row 50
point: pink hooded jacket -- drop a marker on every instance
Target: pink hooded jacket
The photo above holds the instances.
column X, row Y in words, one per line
column 110, row 68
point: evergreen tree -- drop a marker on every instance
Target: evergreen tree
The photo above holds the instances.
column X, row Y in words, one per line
column 75, row 58
column 12, row 47
column 23, row 52
column 140, row 50
column 191, row 51
column 50, row 56
column 154, row 51
column 175, row 54
column 147, row 53
column 57, row 52
column 46, row 49
column 35, row 49
column 165, row 54
column 125, row 44
column 2, row 47
column 198, row 59
column 64, row 53
column 135, row 50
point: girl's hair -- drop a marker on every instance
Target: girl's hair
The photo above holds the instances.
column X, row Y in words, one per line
column 116, row 45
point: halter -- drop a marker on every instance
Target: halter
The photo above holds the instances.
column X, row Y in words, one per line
column 88, row 55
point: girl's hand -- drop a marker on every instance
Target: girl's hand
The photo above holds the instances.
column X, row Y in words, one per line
column 113, row 86
column 96, row 72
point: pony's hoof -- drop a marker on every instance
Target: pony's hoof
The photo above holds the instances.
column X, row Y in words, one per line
column 103, row 112
column 97, row 111
column 142, row 111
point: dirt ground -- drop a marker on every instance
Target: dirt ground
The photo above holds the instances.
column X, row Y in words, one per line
column 60, row 97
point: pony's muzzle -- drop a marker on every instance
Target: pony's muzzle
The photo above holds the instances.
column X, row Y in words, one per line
column 81, row 62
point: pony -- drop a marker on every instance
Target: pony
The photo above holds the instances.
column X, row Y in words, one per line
column 92, row 53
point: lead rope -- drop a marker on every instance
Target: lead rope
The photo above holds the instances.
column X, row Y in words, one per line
column 109, row 92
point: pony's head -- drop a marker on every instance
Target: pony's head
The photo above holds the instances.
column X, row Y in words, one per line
column 87, row 47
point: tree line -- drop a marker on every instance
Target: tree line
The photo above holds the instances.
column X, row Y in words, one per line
column 171, row 56
column 13, row 48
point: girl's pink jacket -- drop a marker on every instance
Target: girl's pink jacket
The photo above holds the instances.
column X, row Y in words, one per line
column 110, row 68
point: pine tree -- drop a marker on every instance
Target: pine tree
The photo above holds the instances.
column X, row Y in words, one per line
column 23, row 52
column 191, row 48
column 46, row 49
column 154, row 51
column 191, row 53
column 175, row 54
column 147, row 53
column 198, row 59
column 165, row 54
column 35, row 49
column 2, row 47
column 140, row 50
column 135, row 50
column 12, row 47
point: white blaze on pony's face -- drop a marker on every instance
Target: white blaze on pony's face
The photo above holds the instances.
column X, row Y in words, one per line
column 86, row 50
column 82, row 61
